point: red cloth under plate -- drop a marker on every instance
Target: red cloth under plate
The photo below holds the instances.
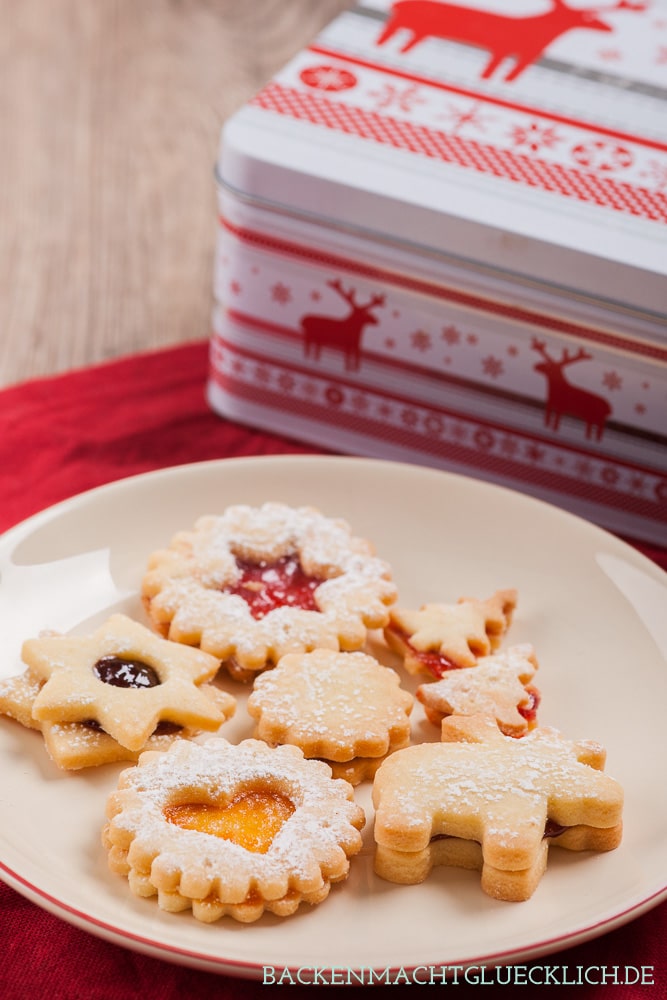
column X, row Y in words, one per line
column 69, row 433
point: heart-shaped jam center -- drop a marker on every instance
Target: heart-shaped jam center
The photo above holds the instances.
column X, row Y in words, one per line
column 125, row 673
column 251, row 819
column 265, row 586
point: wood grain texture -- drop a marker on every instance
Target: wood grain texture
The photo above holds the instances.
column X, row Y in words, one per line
column 110, row 115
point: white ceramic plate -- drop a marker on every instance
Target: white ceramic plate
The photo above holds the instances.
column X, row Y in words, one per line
column 592, row 606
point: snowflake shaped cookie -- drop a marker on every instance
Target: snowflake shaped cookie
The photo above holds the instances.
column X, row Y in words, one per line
column 498, row 685
column 231, row 829
column 440, row 637
column 123, row 677
column 484, row 800
column 343, row 707
column 256, row 583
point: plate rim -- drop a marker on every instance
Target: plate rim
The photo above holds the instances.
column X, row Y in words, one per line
column 299, row 458
column 240, row 967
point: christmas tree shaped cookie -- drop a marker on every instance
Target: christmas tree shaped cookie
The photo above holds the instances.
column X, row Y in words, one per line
column 498, row 685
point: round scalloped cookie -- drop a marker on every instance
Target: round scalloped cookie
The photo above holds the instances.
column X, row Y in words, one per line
column 256, row 583
column 340, row 707
column 231, row 830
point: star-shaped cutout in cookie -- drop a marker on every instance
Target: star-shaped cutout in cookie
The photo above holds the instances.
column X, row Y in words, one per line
column 72, row 668
column 495, row 686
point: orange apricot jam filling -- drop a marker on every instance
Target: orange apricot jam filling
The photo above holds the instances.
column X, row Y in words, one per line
column 251, row 819
column 265, row 586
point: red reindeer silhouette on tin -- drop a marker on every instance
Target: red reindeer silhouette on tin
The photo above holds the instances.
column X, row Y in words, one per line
column 523, row 38
column 565, row 399
column 342, row 333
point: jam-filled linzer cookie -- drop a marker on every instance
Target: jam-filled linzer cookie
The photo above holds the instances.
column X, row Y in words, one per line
column 498, row 685
column 345, row 708
column 76, row 745
column 124, row 678
column 440, row 637
column 231, row 830
column 483, row 800
column 256, row 583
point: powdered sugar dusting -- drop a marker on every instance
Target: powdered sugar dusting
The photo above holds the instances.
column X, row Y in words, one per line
column 331, row 704
column 186, row 585
column 320, row 835
column 491, row 788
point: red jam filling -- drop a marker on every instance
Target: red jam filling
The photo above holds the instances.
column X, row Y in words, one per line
column 163, row 727
column 125, row 673
column 265, row 586
column 553, row 829
column 435, row 663
column 529, row 710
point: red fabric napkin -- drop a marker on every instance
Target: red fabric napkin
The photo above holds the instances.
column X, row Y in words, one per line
column 63, row 435
column 69, row 433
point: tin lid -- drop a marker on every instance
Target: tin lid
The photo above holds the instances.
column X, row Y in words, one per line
column 532, row 142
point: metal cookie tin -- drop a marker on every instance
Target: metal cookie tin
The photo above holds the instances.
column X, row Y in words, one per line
column 443, row 239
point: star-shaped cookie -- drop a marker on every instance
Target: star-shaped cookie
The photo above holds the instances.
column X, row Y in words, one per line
column 76, row 745
column 497, row 686
column 439, row 637
column 73, row 667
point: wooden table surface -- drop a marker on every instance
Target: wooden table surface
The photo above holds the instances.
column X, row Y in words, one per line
column 110, row 115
